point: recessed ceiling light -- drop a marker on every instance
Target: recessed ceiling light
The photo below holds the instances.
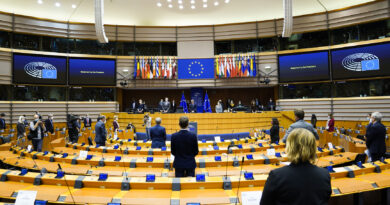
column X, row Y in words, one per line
column 125, row 70
column 159, row 4
column 170, row 5
column 40, row 2
column 192, row 1
column 169, row 0
column 216, row 3
column 180, row 1
column 227, row 1
column 204, row 1
column 74, row 6
column 57, row 4
column 193, row 7
column 181, row 7
column 204, row 5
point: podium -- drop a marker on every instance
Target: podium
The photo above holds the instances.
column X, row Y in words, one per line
column 193, row 126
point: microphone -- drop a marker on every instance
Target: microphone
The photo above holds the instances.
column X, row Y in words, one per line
column 239, row 180
column 124, row 166
column 41, row 171
column 227, row 158
column 67, row 185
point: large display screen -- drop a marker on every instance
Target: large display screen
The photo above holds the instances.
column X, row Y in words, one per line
column 304, row 67
column 38, row 69
column 92, row 72
column 361, row 62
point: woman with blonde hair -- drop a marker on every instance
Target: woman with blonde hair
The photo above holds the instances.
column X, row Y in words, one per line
column 301, row 182
column 21, row 131
column 115, row 123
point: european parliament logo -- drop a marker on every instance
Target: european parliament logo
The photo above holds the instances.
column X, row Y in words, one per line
column 41, row 70
column 361, row 62
column 195, row 68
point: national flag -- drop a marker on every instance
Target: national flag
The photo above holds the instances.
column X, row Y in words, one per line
column 251, row 65
column 154, row 69
column 216, row 67
column 206, row 104
column 157, row 68
column 135, row 67
column 254, row 66
column 227, row 67
column 143, row 69
column 183, row 103
column 174, row 68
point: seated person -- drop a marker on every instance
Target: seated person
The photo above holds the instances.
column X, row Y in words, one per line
column 158, row 135
column 192, row 108
column 301, row 182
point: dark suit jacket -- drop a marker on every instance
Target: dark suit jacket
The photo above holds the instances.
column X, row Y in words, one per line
column 100, row 132
column 274, row 133
column 192, row 108
column 173, row 107
column 141, row 108
column 49, row 126
column 184, row 146
column 87, row 123
column 2, row 124
column 115, row 125
column 158, row 136
column 300, row 184
column 376, row 135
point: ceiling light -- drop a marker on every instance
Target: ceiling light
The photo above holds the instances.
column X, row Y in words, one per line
column 216, row 3
column 125, row 70
column 204, row 1
column 74, row 6
column 227, row 1
column 180, row 1
column 57, row 4
column 204, row 5
column 170, row 5
column 193, row 7
column 159, row 4
column 181, row 7
column 40, row 2
column 192, row 1
column 169, row 0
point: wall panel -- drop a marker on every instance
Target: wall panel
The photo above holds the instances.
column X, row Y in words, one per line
column 6, row 22
column 235, row 31
column 5, row 68
column 320, row 107
column 40, row 27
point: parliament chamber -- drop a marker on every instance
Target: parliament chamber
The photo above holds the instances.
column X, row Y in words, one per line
column 116, row 102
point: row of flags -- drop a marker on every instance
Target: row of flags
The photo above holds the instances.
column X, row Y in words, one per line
column 235, row 66
column 147, row 67
column 206, row 104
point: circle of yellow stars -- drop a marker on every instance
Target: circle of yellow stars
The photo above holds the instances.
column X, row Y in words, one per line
column 196, row 74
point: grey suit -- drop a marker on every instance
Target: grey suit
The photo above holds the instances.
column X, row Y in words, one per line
column 301, row 124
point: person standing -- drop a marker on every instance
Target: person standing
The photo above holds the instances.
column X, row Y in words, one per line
column 160, row 105
column 100, row 131
column 192, row 108
column 218, row 107
column 184, row 147
column 330, row 123
column 166, row 105
column 3, row 125
column 314, row 120
column 141, row 107
column 87, row 121
column 37, row 130
column 73, row 129
column 173, row 106
column 21, row 132
column 148, row 125
column 301, row 182
column 49, row 124
column 271, row 105
column 115, row 123
column 300, row 123
column 158, row 134
column 375, row 137
column 274, row 131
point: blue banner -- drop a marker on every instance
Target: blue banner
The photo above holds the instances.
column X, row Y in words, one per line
column 196, row 68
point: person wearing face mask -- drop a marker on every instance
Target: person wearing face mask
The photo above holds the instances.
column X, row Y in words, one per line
column 100, row 131
column 376, row 137
column 37, row 130
column 49, row 124
column 330, row 123
column 21, row 131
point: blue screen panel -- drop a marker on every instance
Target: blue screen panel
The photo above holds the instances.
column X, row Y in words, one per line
column 304, row 67
column 361, row 62
column 92, row 72
column 38, row 69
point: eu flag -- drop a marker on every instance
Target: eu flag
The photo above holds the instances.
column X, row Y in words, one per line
column 368, row 65
column 196, row 68
column 206, row 104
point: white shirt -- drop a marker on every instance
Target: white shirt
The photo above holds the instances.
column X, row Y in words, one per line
column 148, row 123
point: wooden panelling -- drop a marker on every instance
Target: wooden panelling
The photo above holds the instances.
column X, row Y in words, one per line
column 309, row 23
column 58, row 109
column 125, row 33
column 87, row 31
column 195, row 33
column 266, row 28
column 236, row 31
column 348, row 109
column 40, row 27
column 5, row 68
column 5, row 22
column 155, row 34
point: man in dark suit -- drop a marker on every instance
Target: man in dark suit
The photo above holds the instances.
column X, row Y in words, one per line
column 49, row 124
column 133, row 105
column 192, row 108
column 271, row 105
column 184, row 147
column 158, row 135
column 166, row 105
column 376, row 135
column 2, row 121
column 141, row 107
column 173, row 106
column 87, row 121
column 100, row 131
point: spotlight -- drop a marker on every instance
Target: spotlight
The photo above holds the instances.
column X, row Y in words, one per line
column 57, row 4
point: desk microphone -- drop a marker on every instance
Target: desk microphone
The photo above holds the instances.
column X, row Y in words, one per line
column 67, row 185
column 227, row 158
column 41, row 171
column 239, row 180
column 123, row 163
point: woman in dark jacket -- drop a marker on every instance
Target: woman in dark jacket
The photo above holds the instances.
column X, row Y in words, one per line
column 21, row 131
column 274, row 131
column 301, row 182
column 314, row 120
